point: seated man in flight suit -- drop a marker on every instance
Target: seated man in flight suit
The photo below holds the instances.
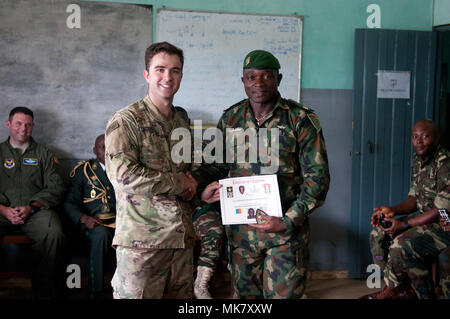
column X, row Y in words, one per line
column 30, row 189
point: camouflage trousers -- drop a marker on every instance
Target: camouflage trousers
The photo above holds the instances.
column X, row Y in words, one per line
column 153, row 273
column 208, row 227
column 410, row 257
column 380, row 243
column 260, row 270
column 444, row 272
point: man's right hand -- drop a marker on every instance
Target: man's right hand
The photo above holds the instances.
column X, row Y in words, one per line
column 12, row 215
column 90, row 221
column 190, row 187
column 211, row 193
column 386, row 210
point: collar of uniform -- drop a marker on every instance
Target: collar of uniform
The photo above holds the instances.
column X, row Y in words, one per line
column 436, row 155
column 101, row 165
column 30, row 145
column 155, row 112
column 278, row 104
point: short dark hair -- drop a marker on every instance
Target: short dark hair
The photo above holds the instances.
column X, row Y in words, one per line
column 159, row 47
column 430, row 124
column 21, row 109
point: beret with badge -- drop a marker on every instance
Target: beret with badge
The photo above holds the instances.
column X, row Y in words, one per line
column 260, row 59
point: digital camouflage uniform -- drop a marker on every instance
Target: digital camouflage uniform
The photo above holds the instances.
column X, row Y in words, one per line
column 91, row 193
column 33, row 176
column 410, row 254
column 444, row 272
column 274, row 265
column 209, row 229
column 151, row 222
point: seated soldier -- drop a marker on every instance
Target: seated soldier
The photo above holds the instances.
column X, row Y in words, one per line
column 405, row 248
column 91, row 205
column 30, row 188
column 444, row 263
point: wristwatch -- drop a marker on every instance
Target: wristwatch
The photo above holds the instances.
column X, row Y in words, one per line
column 407, row 225
column 444, row 214
column 34, row 209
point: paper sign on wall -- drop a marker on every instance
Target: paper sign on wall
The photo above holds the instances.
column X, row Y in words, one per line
column 393, row 84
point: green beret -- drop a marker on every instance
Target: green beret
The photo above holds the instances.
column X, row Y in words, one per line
column 260, row 59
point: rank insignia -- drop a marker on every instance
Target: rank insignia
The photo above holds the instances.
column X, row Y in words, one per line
column 9, row 163
column 93, row 193
column 247, row 61
column 31, row 161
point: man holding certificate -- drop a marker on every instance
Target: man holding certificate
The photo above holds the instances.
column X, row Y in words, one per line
column 282, row 138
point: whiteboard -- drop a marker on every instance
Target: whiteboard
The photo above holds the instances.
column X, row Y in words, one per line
column 215, row 45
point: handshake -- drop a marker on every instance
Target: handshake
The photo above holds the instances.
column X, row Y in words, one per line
column 209, row 195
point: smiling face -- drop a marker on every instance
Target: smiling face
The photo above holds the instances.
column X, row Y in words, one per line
column 261, row 85
column 163, row 77
column 425, row 138
column 20, row 128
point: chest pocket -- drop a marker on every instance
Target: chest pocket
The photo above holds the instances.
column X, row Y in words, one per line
column 31, row 170
column 288, row 150
column 154, row 152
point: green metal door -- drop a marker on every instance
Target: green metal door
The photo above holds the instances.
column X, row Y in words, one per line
column 382, row 150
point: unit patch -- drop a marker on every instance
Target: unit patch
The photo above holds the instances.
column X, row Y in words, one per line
column 9, row 163
column 30, row 161
column 314, row 120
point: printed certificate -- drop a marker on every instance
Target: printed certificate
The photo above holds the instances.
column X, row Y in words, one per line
column 242, row 199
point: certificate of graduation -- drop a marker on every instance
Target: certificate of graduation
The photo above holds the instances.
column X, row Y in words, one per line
column 243, row 199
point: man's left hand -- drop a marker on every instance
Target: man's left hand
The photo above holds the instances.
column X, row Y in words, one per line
column 23, row 212
column 272, row 225
column 397, row 227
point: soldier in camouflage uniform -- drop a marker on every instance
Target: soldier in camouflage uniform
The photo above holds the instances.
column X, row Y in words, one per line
column 418, row 240
column 30, row 189
column 270, row 260
column 154, row 235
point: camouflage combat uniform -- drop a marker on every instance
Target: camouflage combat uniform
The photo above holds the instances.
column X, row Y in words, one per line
column 33, row 176
column 409, row 255
column 274, row 265
column 208, row 227
column 154, row 233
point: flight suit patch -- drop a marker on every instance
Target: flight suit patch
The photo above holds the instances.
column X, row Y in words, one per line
column 9, row 163
column 31, row 161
